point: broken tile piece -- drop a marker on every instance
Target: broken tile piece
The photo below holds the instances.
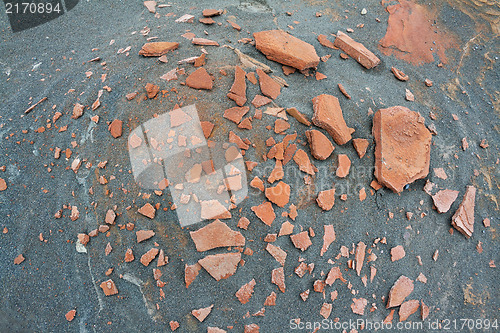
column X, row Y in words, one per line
column 299, row 116
column 326, row 199
column 320, row 145
column 245, row 292
column 344, row 166
column 201, row 314
column 236, row 113
column 407, row 309
column 279, row 194
column 328, row 237
column 109, row 287
column 399, row 291
column 463, row 219
column 238, row 90
column 199, row 79
column 326, row 310
column 277, row 253
column 328, row 115
column 358, row 306
column 115, row 128
column 444, row 199
column 360, row 145
column 213, row 209
column 142, row 235
column 214, row 235
column 397, row 253
column 265, row 212
column 157, row 49
column 303, row 162
column 268, row 86
column 278, row 278
column 149, row 256
column 221, row 266
column 356, row 50
column 190, row 273
column 360, row 256
column 402, row 147
column 147, row 210
column 279, row 46
column 301, row 240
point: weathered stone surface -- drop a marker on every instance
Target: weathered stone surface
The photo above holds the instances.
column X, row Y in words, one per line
column 328, row 115
column 402, row 147
column 321, row 147
column 463, row 219
column 356, row 50
column 286, row 49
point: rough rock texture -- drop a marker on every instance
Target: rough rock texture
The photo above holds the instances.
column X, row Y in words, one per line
column 199, row 79
column 399, row 291
column 463, row 219
column 216, row 234
column 356, row 50
column 286, row 49
column 402, row 147
column 444, row 199
column 328, row 115
column 321, row 147
column 157, row 49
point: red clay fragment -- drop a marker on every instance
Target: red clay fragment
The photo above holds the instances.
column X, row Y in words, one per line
column 260, row 100
column 444, row 199
column 3, row 184
column 199, row 79
column 211, row 12
column 265, row 212
column 407, row 309
column 360, row 256
column 280, row 126
column 151, row 90
column 142, row 235
column 201, row 314
column 356, row 50
column 213, row 209
column 236, row 114
column 326, row 199
column 109, row 287
column 147, row 210
column 206, row 20
column 301, row 240
column 221, row 266
column 270, row 300
column 399, row 74
column 402, row 147
column 278, row 278
column 115, row 128
column 399, row 291
column 77, row 111
column 286, row 229
column 238, row 90
column 257, row 183
column 328, row 238
column 344, row 166
column 214, row 235
column 245, row 292
column 397, row 253
column 204, row 41
column 70, row 315
column 207, row 128
column 463, row 219
column 251, row 328
column 360, row 145
column 321, row 147
column 299, row 116
column 157, row 49
column 304, row 163
column 334, row 274
column 323, row 40
column 277, row 253
column 326, row 310
column 19, row 259
column 268, row 86
column 149, row 256
column 279, row 194
column 190, row 273
column 129, row 255
column 424, row 311
column 173, row 325
column 286, row 49
column 358, row 306
column 328, row 115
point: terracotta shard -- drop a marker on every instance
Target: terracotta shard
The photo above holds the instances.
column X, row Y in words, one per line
column 151, row 90
column 360, row 145
column 278, row 278
column 207, row 128
column 277, row 253
column 344, row 165
column 408, row 308
column 323, row 40
column 157, row 49
column 270, row 300
column 304, row 163
column 279, row 194
column 424, row 311
column 238, row 90
column 299, row 116
column 142, row 235
column 399, row 291
column 109, row 287
column 216, row 234
column 326, row 199
column 221, row 266
column 115, row 128
column 286, row 229
column 444, row 199
column 245, row 292
column 70, row 315
column 199, row 79
column 397, row 253
column 265, row 212
column 190, row 273
column 260, row 100
column 356, row 50
column 213, row 209
column 268, row 86
column 400, row 75
column 257, row 183
column 236, row 114
column 402, row 147
column 147, row 210
column 360, row 256
column 110, row 217
column 77, row 111
column 301, row 240
column 207, row 20
column 328, row 238
column 280, row 126
column 201, row 314
column 286, row 49
column 321, row 147
column 463, row 219
column 211, row 12
column 19, row 259
column 334, row 274
column 129, row 256
column 149, row 256
column 326, row 310
column 328, row 115
column 204, row 41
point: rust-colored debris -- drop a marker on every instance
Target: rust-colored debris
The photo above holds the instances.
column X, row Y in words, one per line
column 213, row 209
column 326, row 199
column 301, row 240
column 190, row 273
column 279, row 46
column 463, row 219
column 399, row 291
column 278, row 278
column 344, row 91
column 407, row 309
column 424, row 311
column 238, row 90
column 265, row 212
column 323, row 40
column 199, row 79
column 328, row 115
column 245, row 292
column 260, row 100
column 206, row 20
column 280, row 126
column 299, row 116
column 399, row 74
column 204, row 41
column 109, row 288
column 207, row 128
column 77, row 111
column 70, row 315
column 3, row 184
column 334, row 274
column 402, row 147
column 236, row 113
column 358, row 306
column 149, row 256
column 356, row 50
column 129, row 255
column 152, row 90
column 444, row 199
column 142, row 235
column 344, row 166
column 360, row 256
column 279, row 194
column 360, row 145
column 147, row 210
column 221, row 266
column 304, row 163
column 115, row 128
column 201, row 314
column 328, row 237
column 257, row 183
column 326, row 310
column 19, row 259
column 216, row 234
column 268, row 86
column 397, row 253
column 211, row 12
column 157, row 49
column 286, row 229
column 321, row 147
column 271, row 299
